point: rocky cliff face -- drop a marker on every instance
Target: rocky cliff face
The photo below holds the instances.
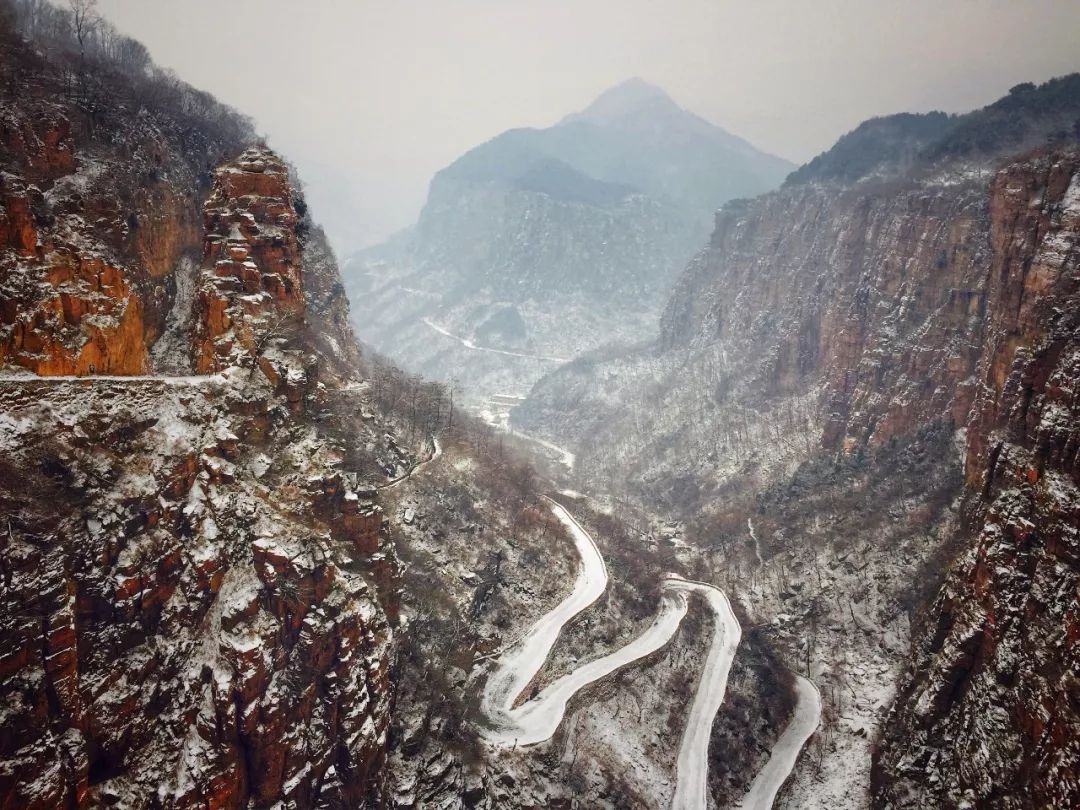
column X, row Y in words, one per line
column 200, row 601
column 101, row 200
column 818, row 316
column 988, row 711
column 877, row 294
column 191, row 624
column 250, row 286
column 198, row 593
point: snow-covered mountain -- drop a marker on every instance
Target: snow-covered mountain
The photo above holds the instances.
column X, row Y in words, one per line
column 871, row 375
column 548, row 242
column 244, row 566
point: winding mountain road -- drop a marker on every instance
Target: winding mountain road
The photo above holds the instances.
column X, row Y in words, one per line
column 691, row 786
column 515, row 722
column 520, row 663
column 786, row 752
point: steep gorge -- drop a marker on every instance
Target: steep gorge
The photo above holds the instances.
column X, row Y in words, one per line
column 203, row 595
column 841, row 318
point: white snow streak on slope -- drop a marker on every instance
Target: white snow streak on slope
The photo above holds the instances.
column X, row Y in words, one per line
column 804, row 723
column 691, row 788
column 753, row 536
column 468, row 344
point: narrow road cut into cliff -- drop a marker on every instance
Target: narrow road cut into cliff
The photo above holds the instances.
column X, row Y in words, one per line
column 110, row 379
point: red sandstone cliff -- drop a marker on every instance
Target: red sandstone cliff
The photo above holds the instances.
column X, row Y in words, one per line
column 990, row 707
column 96, row 211
column 196, row 589
column 251, row 281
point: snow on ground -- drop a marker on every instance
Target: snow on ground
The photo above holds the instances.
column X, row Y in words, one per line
column 171, row 354
column 501, row 421
column 538, row 717
column 519, row 664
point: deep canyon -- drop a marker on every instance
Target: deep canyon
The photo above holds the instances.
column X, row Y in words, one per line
column 646, row 470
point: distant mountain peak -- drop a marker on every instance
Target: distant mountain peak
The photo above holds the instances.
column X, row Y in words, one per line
column 630, row 94
column 626, row 100
column 648, row 114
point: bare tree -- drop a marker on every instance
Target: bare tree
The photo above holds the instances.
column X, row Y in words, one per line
column 85, row 20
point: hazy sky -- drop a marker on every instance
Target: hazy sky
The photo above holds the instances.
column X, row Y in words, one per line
column 371, row 97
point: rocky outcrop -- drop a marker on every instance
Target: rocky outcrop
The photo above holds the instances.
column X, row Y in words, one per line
column 251, row 288
column 200, row 590
column 990, row 708
column 65, row 310
column 96, row 211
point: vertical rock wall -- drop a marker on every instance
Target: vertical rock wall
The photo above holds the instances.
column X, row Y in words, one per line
column 989, row 711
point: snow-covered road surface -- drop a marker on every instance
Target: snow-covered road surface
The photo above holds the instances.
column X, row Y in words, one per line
column 691, row 785
column 802, row 725
column 502, row 422
column 518, row 719
column 519, row 664
column 566, row 458
column 468, row 344
column 536, row 719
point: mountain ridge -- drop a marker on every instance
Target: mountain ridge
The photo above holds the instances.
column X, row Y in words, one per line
column 573, row 231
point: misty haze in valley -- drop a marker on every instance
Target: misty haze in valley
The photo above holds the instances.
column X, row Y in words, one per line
column 539, row 405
